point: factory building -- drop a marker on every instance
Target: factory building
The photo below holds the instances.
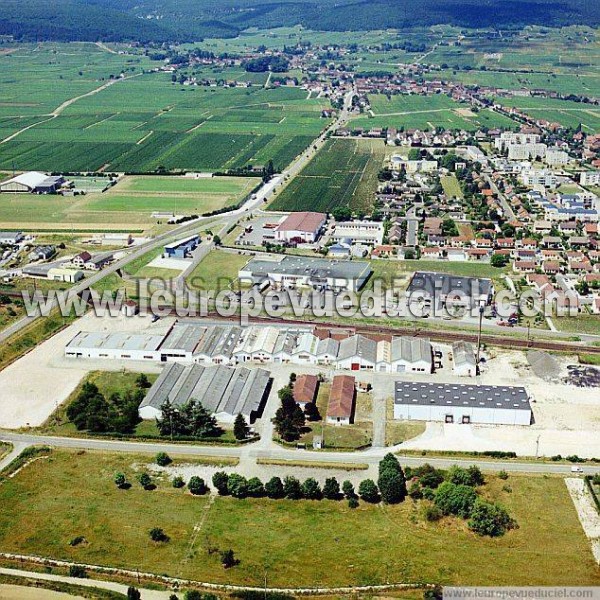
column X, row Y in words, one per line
column 116, row 346
column 465, row 404
column 300, row 272
column 182, row 248
column 301, row 227
column 223, row 391
column 442, row 289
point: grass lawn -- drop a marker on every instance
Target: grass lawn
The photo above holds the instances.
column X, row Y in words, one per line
column 10, row 312
column 69, row 494
column 397, row 432
column 346, row 437
column 451, row 186
column 5, row 448
column 580, row 324
column 217, row 271
column 589, row 359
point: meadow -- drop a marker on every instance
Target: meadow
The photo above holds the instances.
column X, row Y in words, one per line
column 343, row 173
column 128, row 205
column 144, row 121
column 54, row 500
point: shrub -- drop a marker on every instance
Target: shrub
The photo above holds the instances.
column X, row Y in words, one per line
column 490, row 519
column 353, row 502
column 503, row 474
column 256, row 489
column 133, row 593
column 292, row 488
column 454, row 499
column 274, row 488
column 237, row 486
column 163, row 459
column 391, row 482
column 158, row 535
column 178, row 482
column 348, row 489
column 432, row 513
column 331, row 488
column 428, row 493
column 197, row 486
column 120, row 480
column 228, row 559
column 77, row 571
column 461, row 476
column 415, row 491
column 145, row 481
column 368, row 491
column 220, row 480
column 311, row 490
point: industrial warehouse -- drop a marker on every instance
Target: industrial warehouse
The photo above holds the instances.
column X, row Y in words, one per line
column 223, row 391
column 465, row 404
column 191, row 342
column 441, row 288
column 301, row 272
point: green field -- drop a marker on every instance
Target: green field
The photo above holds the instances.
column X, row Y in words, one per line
column 54, row 500
column 343, row 173
column 143, row 121
column 217, row 271
column 128, row 205
column 451, row 186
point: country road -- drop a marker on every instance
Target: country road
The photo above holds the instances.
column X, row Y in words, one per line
column 250, row 453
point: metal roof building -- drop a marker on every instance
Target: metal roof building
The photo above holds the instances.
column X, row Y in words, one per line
column 142, row 346
column 463, row 356
column 223, row 391
column 32, row 182
column 456, row 403
column 441, row 286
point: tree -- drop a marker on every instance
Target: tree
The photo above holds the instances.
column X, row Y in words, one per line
column 197, row 486
column 158, row 535
column 255, row 488
column 341, row 213
column 311, row 489
column 145, row 480
column 291, row 488
column 368, row 491
column 461, row 476
column 237, row 486
column 490, row 519
column 414, row 154
column 133, row 593
column 220, row 480
column 178, row 482
column 499, row 260
column 142, row 381
column 240, row 427
column 217, row 240
column 311, row 412
column 331, row 488
column 228, row 559
column 348, row 489
column 163, row 459
column 454, row 499
column 353, row 502
column 289, row 418
column 391, row 482
column 120, row 480
column 274, row 488
column 77, row 571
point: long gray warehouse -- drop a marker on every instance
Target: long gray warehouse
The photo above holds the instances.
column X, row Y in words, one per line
column 223, row 391
column 454, row 403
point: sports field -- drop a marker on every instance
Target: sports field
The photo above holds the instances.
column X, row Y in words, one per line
column 54, row 500
column 343, row 173
column 128, row 205
column 141, row 121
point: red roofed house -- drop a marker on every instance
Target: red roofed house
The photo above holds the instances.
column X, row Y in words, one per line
column 341, row 400
column 300, row 227
column 305, row 388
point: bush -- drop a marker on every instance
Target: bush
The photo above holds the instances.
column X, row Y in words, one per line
column 178, row 482
column 237, row 486
column 274, row 488
column 490, row 519
column 503, row 474
column 348, row 489
column 220, row 480
column 77, row 571
column 311, row 490
column 432, row 513
column 391, row 482
column 454, row 499
column 292, row 488
column 353, row 502
column 158, row 535
column 228, row 559
column 256, row 489
column 197, row 486
column 145, row 481
column 163, row 459
column 368, row 491
column 461, row 476
column 575, row 459
column 133, row 593
column 331, row 488
column 120, row 480
column 415, row 491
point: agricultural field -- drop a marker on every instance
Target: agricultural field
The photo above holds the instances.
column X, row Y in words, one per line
column 71, row 495
column 127, row 206
column 427, row 113
column 343, row 173
column 142, row 121
column 568, row 114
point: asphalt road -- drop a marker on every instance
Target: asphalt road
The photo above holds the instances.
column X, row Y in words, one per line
column 371, row 456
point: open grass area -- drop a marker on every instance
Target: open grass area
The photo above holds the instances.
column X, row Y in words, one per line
column 451, row 186
column 127, row 206
column 218, row 271
column 584, row 323
column 343, row 173
column 54, row 500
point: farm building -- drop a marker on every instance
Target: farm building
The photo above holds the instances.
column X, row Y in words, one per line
column 465, row 363
column 454, row 403
column 441, row 288
column 305, row 388
column 301, row 227
column 340, row 409
column 223, row 391
column 297, row 271
column 33, row 183
column 182, row 248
